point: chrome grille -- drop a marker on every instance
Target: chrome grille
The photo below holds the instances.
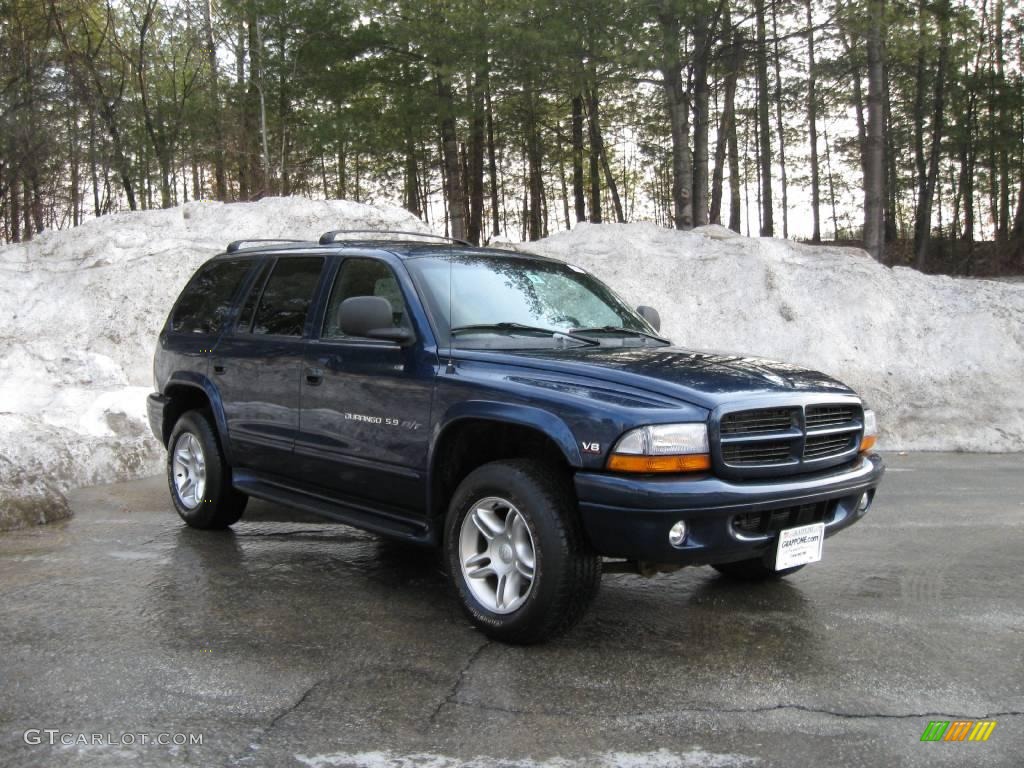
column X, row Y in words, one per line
column 830, row 415
column 741, row 454
column 788, row 439
column 759, row 421
column 827, row 445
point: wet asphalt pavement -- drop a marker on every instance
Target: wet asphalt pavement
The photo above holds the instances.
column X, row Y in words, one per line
column 291, row 643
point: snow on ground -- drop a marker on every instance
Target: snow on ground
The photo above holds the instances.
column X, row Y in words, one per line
column 80, row 310
column 941, row 359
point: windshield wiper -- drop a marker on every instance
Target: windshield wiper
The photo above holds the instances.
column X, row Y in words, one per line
column 619, row 329
column 519, row 327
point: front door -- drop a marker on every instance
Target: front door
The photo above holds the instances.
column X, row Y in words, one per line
column 257, row 368
column 366, row 404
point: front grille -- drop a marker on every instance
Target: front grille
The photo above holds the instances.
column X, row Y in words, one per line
column 827, row 445
column 830, row 415
column 788, row 439
column 746, row 454
column 775, row 520
column 759, row 421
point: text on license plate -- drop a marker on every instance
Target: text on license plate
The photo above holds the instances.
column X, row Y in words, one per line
column 799, row 546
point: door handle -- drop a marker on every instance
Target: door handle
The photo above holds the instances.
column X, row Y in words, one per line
column 219, row 368
column 314, row 376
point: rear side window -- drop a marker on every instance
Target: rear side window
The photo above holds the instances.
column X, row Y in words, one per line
column 287, row 296
column 206, row 300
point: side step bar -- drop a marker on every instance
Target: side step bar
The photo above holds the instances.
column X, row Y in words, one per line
column 357, row 515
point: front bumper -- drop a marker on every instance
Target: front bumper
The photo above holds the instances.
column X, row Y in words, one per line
column 630, row 517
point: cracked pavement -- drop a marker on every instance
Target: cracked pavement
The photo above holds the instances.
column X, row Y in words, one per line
column 288, row 642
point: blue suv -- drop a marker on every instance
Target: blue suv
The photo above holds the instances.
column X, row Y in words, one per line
column 506, row 407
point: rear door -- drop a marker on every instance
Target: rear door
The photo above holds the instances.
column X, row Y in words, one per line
column 365, row 403
column 257, row 367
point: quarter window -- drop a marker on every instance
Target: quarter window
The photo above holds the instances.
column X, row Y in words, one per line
column 206, row 300
column 287, row 296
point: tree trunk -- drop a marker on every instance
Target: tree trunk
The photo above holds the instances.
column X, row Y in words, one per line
column 450, row 153
column 812, row 128
column 245, row 123
column 891, row 171
column 678, row 116
column 595, row 156
column 561, row 177
column 705, row 31
column 577, row 158
column 874, row 167
column 412, row 186
column 780, row 124
column 476, row 157
column 220, row 178
column 726, row 132
column 763, row 125
column 924, row 204
column 598, row 147
column 93, row 172
column 492, row 165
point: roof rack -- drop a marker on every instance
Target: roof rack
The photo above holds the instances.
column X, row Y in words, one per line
column 329, row 237
column 237, row 244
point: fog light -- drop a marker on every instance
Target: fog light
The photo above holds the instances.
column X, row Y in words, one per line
column 865, row 501
column 677, row 534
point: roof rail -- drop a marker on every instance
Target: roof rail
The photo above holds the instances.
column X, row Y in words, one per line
column 329, row 237
column 237, row 244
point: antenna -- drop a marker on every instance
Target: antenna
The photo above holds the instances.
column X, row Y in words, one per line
column 329, row 237
column 451, row 289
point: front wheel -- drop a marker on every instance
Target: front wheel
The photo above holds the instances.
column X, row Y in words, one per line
column 199, row 477
column 516, row 553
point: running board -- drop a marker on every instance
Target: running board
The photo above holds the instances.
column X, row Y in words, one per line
column 358, row 516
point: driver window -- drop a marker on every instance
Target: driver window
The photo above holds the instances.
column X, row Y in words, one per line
column 363, row 277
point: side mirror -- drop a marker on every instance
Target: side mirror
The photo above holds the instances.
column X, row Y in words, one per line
column 370, row 317
column 650, row 314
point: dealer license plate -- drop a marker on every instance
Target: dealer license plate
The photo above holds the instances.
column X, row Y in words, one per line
column 799, row 546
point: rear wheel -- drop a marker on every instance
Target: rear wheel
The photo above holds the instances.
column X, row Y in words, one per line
column 752, row 570
column 199, row 477
column 516, row 553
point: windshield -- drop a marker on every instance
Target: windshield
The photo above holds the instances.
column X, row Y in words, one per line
column 495, row 294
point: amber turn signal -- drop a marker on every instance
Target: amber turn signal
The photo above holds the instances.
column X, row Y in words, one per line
column 868, row 443
column 695, row 462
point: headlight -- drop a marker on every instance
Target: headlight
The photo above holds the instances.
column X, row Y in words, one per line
column 870, row 431
column 662, row 448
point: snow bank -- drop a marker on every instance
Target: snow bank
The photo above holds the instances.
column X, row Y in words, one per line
column 941, row 359
column 79, row 313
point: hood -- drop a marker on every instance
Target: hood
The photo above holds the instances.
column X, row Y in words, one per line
column 703, row 378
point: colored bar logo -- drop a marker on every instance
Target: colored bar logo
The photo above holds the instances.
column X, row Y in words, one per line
column 958, row 730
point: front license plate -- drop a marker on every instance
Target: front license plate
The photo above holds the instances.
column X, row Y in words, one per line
column 799, row 546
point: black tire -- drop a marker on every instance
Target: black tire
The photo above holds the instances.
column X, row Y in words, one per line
column 753, row 570
column 566, row 572
column 221, row 505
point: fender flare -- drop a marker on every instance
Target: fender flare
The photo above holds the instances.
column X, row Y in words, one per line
column 543, row 421
column 200, row 382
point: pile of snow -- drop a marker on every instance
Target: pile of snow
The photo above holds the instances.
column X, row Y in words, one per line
column 941, row 359
column 80, row 310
